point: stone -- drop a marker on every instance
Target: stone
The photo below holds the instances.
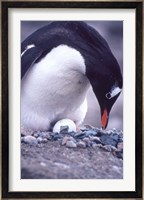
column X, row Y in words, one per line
column 80, row 135
column 95, row 139
column 64, row 140
column 43, row 164
column 39, row 139
column 120, row 146
column 87, row 141
column 71, row 144
column 30, row 140
column 35, row 135
column 115, row 136
column 107, row 148
column 81, row 144
column 94, row 145
column 107, row 140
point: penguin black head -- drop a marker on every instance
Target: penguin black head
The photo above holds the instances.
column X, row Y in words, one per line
column 105, row 77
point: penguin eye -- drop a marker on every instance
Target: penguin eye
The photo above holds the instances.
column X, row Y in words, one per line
column 108, row 95
column 113, row 93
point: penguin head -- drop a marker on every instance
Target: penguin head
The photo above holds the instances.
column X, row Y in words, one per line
column 105, row 77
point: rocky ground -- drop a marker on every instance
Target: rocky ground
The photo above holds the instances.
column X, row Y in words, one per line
column 90, row 153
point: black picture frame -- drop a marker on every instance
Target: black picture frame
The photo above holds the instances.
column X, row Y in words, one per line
column 5, row 100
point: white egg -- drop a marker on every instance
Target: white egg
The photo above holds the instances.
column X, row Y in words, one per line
column 64, row 123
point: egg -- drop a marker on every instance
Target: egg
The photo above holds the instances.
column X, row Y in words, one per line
column 64, row 123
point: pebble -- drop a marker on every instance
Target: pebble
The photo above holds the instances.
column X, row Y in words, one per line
column 87, row 141
column 94, row 145
column 44, row 140
column 71, row 144
column 107, row 148
column 56, row 136
column 64, row 140
column 35, row 135
column 39, row 139
column 106, row 140
column 80, row 135
column 81, row 144
column 95, row 139
column 119, row 154
column 91, row 132
column 120, row 146
column 43, row 164
column 100, row 133
column 114, row 136
column 43, row 134
column 30, row 140
column 111, row 140
column 109, row 132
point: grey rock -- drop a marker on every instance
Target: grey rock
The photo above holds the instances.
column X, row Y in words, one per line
column 95, row 139
column 80, row 135
column 35, row 134
column 107, row 148
column 87, row 141
column 47, row 136
column 30, row 140
column 39, row 139
column 43, row 134
column 115, row 136
column 100, row 133
column 71, row 144
column 90, row 132
column 44, row 140
column 56, row 136
column 107, row 140
column 43, row 164
column 118, row 153
column 120, row 146
column 94, row 145
column 81, row 144
column 64, row 140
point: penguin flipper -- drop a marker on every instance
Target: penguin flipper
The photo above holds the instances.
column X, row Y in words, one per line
column 28, row 58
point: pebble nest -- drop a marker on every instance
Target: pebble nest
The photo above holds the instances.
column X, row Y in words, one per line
column 86, row 137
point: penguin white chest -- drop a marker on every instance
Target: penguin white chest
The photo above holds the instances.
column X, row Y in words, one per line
column 53, row 88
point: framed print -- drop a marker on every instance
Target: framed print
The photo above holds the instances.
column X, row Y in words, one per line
column 71, row 99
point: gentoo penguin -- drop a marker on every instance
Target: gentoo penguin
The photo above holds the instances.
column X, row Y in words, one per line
column 59, row 62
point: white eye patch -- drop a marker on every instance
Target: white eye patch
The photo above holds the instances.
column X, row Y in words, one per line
column 113, row 92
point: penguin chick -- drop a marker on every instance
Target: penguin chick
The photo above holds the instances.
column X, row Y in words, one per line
column 59, row 62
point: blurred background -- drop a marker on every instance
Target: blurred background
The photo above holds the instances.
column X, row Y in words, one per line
column 112, row 31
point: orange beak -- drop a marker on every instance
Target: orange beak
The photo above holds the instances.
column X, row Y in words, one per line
column 104, row 119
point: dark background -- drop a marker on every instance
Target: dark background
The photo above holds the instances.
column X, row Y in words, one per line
column 112, row 31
